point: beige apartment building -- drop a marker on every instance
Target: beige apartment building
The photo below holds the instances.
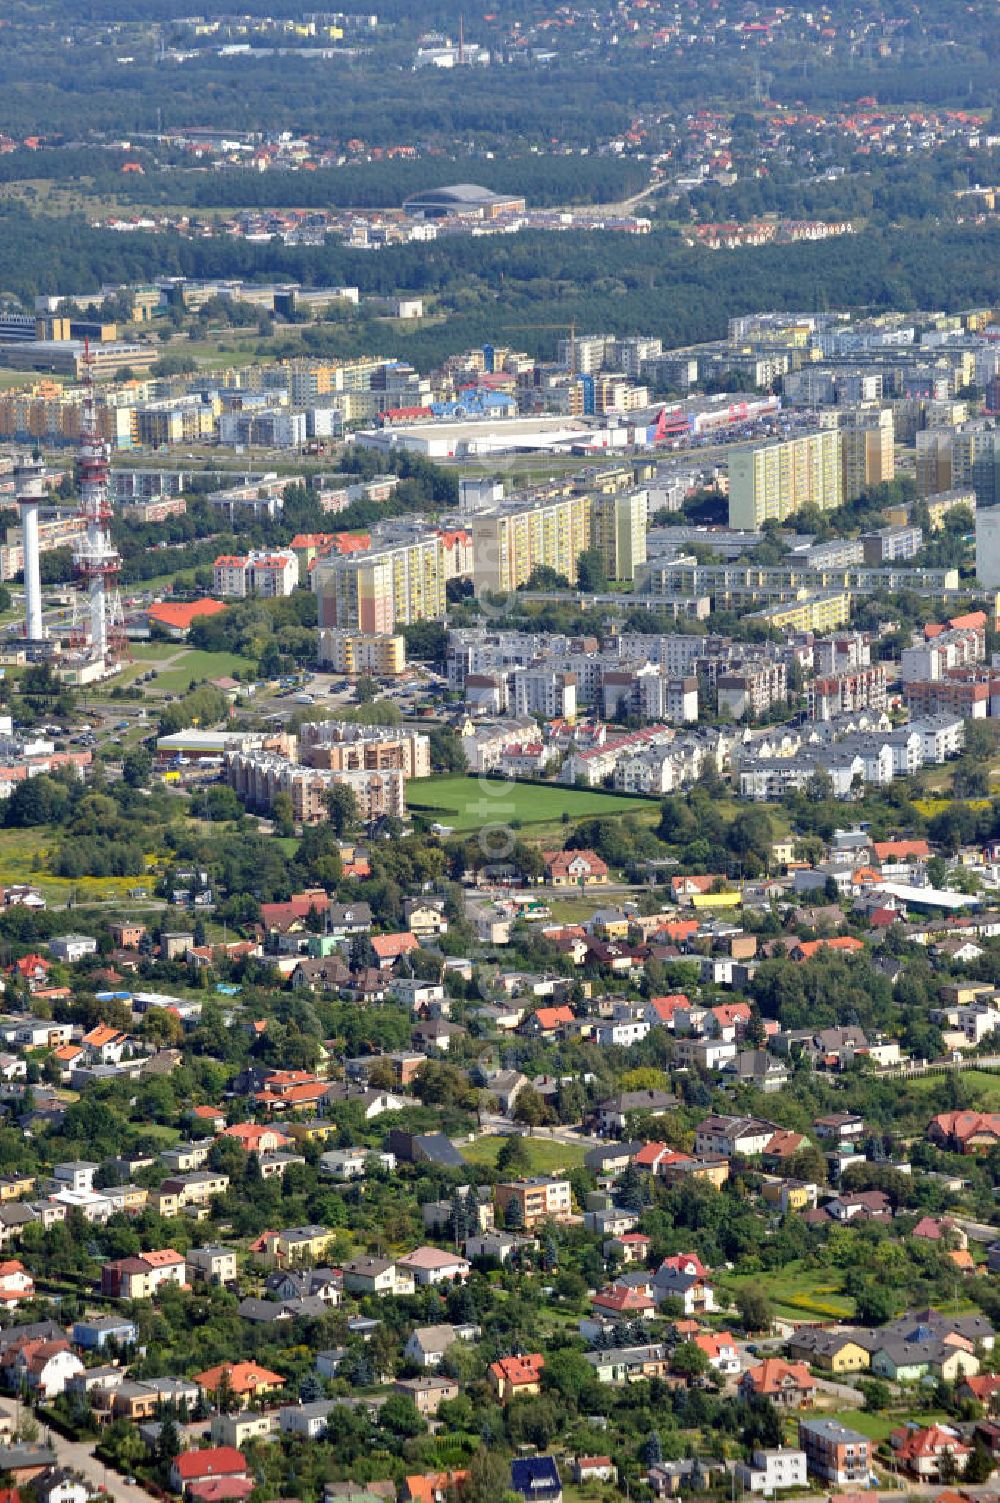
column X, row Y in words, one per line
column 509, row 545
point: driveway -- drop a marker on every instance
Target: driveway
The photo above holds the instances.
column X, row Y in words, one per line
column 79, row 1456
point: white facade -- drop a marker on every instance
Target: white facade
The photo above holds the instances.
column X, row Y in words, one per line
column 773, row 1470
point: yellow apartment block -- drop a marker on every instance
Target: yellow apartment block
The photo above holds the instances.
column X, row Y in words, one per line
column 775, row 480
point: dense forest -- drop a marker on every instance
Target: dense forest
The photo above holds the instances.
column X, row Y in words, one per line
column 542, row 179
column 594, row 82
column 624, row 284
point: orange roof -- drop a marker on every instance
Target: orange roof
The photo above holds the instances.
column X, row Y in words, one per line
column 180, row 616
column 249, row 1135
column 712, row 1345
column 431, row 1487
column 699, row 883
column 101, row 1035
column 389, row 946
column 551, row 1017
column 974, row 621
column 677, row 929
column 243, row 1377
column 517, row 1371
column 810, row 947
column 772, row 1375
column 901, row 850
column 351, row 542
column 560, row 862
column 163, row 1257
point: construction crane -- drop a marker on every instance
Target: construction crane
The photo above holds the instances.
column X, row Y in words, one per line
column 563, row 328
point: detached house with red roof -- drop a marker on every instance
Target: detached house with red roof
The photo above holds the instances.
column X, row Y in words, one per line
column 965, row 1132
column 389, row 947
column 720, row 1349
column 245, row 1381
column 623, row 1302
column 193, row 1467
column 789, row 1385
column 921, row 1450
column 253, row 1138
column 516, row 1377
column 549, row 1022
column 45, row 1367
column 574, row 869
column 140, row 1276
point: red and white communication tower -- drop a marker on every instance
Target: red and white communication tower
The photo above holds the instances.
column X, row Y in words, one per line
column 95, row 557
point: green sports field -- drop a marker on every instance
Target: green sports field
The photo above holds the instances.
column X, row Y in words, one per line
column 471, row 803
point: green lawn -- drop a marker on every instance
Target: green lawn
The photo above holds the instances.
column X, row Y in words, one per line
column 795, row 1291
column 468, row 803
column 878, row 1426
column 544, row 1156
column 983, row 1086
column 182, row 665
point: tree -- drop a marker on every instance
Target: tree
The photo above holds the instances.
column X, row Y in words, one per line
column 754, row 1308
column 488, row 1480
column 137, row 766
column 513, row 1157
column 652, row 1450
column 342, row 808
column 400, row 1417
column 591, row 574
column 514, row 1215
column 365, row 689
column 756, row 1033
column 529, row 1107
column 979, row 1467
column 168, row 1443
column 689, row 1361
column 875, row 1304
column 284, row 814
column 877, row 1394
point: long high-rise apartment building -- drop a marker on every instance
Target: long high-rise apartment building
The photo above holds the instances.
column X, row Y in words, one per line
column 775, row 480
column 868, row 454
column 378, row 591
column 509, row 545
column 619, row 526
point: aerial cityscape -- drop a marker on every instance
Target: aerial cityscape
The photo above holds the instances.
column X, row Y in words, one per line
column 500, row 752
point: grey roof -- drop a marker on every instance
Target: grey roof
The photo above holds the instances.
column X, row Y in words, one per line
column 623, row 1355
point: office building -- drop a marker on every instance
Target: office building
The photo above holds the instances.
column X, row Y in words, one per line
column 619, row 524
column 375, row 592
column 776, row 480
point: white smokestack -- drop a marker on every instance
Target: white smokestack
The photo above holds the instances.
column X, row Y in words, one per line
column 29, row 482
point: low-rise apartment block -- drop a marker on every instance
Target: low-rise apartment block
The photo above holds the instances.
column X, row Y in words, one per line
column 382, row 654
column 269, row 574
column 537, row 1200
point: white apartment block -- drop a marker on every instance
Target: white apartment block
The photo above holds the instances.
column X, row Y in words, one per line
column 545, row 692
column 257, row 573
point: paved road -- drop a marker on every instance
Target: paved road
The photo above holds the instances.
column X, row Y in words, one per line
column 79, row 1455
